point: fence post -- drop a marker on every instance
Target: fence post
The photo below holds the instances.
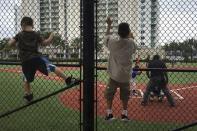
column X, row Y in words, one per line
column 88, row 64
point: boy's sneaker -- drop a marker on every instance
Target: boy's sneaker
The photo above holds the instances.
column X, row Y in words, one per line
column 124, row 118
column 172, row 105
column 134, row 92
column 109, row 117
column 28, row 97
column 151, row 96
column 70, row 80
column 144, row 103
column 160, row 98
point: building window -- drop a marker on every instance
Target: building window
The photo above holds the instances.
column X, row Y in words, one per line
column 143, row 7
column 153, row 32
column 153, row 25
column 143, row 13
column 153, row 20
column 142, row 43
column 142, row 37
column 153, row 38
column 142, row 25
column 153, row 13
column 142, row 20
column 142, row 31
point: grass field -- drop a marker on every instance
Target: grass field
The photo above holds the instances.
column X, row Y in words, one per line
column 52, row 115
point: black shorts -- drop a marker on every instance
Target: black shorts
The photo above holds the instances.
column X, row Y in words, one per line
column 30, row 67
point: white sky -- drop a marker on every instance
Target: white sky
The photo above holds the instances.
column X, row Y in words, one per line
column 178, row 19
column 6, row 17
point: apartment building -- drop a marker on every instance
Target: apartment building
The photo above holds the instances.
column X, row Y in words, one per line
column 149, row 23
column 119, row 11
column 52, row 16
column 63, row 17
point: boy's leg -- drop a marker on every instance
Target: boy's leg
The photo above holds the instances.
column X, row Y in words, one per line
column 168, row 95
column 28, row 94
column 27, row 87
column 110, row 92
column 46, row 67
column 149, row 88
column 59, row 73
column 29, row 71
column 109, row 96
column 124, row 96
column 133, row 88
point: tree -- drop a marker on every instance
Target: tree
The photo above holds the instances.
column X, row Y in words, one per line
column 187, row 48
column 57, row 40
column 75, row 45
column 3, row 44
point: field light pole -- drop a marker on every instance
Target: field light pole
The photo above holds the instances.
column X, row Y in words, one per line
column 88, row 64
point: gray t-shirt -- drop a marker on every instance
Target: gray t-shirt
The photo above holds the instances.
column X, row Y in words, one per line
column 120, row 57
column 28, row 42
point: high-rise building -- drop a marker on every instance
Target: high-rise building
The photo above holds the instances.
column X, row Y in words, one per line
column 52, row 16
column 142, row 16
column 63, row 17
column 119, row 11
column 149, row 22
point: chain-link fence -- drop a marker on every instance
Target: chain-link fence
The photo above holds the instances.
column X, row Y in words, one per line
column 160, row 27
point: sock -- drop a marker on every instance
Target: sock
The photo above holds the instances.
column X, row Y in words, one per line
column 109, row 111
column 28, row 93
column 124, row 112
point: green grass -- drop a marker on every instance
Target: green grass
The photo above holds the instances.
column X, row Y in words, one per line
column 51, row 115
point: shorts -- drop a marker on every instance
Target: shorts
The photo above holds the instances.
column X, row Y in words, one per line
column 112, row 88
column 41, row 64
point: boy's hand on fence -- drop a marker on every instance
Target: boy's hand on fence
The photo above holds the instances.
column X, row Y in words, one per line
column 109, row 21
column 131, row 35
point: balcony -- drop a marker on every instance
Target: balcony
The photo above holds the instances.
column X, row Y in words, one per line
column 142, row 37
column 143, row 7
column 153, row 1
column 142, row 31
column 153, row 25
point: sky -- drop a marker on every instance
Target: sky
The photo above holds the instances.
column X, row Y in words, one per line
column 177, row 19
column 6, row 17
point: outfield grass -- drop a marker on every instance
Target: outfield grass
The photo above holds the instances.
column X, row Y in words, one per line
column 174, row 77
column 51, row 115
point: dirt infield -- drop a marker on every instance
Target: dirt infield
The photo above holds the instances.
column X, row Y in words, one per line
column 184, row 112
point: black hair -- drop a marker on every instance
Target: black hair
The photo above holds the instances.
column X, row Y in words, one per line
column 27, row 21
column 123, row 30
column 156, row 57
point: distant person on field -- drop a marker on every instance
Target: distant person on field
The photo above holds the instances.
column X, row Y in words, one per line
column 28, row 42
column 134, row 74
column 158, row 79
column 119, row 66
